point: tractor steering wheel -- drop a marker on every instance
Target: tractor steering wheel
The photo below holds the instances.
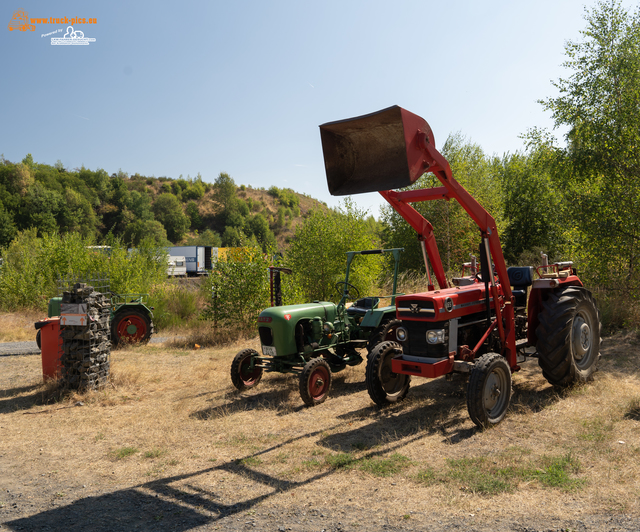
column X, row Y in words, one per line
column 340, row 288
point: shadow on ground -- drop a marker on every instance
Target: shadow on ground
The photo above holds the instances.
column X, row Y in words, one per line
column 171, row 503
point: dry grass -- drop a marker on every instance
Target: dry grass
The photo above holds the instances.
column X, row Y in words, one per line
column 16, row 327
column 171, row 417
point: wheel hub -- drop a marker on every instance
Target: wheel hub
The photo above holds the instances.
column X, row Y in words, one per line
column 492, row 391
column 581, row 337
column 390, row 381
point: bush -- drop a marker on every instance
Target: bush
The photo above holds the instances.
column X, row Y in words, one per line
column 33, row 265
column 175, row 305
column 238, row 289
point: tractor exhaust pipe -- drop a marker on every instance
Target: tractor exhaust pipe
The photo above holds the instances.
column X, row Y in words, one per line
column 379, row 151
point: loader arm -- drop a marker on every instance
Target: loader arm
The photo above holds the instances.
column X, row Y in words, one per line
column 392, row 148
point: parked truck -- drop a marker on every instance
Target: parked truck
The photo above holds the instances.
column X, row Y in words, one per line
column 197, row 258
column 176, row 266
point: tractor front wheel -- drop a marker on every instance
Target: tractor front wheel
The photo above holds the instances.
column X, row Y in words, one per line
column 489, row 390
column 130, row 326
column 385, row 386
column 384, row 333
column 244, row 373
column 315, row 382
column 569, row 336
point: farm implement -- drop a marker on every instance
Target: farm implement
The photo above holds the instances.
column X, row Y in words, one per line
column 482, row 324
column 319, row 338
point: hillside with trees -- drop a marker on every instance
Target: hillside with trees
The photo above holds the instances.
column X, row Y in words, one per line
column 105, row 208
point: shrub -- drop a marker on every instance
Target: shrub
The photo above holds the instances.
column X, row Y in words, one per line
column 33, row 265
column 238, row 288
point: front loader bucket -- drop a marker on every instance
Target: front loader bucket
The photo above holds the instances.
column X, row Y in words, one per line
column 379, row 151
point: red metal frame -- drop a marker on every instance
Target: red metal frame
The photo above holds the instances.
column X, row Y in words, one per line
column 424, row 158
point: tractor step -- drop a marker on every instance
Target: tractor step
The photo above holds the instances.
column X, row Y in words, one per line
column 429, row 368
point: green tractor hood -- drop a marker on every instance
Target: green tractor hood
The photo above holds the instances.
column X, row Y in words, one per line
column 277, row 325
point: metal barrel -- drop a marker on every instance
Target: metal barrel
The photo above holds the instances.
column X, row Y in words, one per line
column 379, row 151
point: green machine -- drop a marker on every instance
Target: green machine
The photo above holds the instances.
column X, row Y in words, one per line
column 318, row 338
column 131, row 318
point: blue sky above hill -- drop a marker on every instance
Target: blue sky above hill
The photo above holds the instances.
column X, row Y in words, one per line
column 241, row 87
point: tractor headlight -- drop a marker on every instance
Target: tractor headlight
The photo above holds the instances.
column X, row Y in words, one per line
column 435, row 336
column 327, row 327
column 401, row 334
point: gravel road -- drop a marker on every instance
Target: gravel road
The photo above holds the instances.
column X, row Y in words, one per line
column 31, row 348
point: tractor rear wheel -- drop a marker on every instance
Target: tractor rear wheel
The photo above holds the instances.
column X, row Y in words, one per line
column 489, row 390
column 130, row 326
column 569, row 336
column 315, row 382
column 384, row 333
column 243, row 376
column 385, row 386
column 39, row 339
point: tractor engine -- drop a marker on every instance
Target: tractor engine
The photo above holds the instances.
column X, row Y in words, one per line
column 435, row 324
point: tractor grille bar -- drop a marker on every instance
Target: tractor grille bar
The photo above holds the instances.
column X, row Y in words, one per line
column 416, row 309
column 266, row 335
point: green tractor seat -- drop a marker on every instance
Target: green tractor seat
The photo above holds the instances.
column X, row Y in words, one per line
column 361, row 306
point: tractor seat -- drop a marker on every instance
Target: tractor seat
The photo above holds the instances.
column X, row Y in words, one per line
column 520, row 277
column 361, row 306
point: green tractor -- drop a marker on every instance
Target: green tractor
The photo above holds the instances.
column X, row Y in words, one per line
column 131, row 318
column 317, row 339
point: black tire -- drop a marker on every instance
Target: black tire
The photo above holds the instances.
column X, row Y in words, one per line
column 130, row 326
column 39, row 339
column 315, row 382
column 384, row 333
column 569, row 336
column 242, row 377
column 384, row 386
column 489, row 390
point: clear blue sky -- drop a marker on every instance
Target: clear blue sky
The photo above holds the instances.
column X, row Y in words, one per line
column 241, row 87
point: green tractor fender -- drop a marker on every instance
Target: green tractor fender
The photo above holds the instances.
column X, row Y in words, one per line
column 374, row 317
column 131, row 319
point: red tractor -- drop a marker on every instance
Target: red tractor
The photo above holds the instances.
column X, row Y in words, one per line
column 483, row 324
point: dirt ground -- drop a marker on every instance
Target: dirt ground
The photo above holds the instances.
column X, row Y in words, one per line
column 170, row 445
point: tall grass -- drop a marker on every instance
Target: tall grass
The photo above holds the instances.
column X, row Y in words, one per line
column 176, row 305
column 618, row 310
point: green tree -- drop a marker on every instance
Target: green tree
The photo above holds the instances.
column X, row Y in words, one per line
column 77, row 215
column 239, row 289
column 193, row 214
column 258, row 226
column 599, row 169
column 7, row 227
column 168, row 212
column 456, row 233
column 206, row 238
column 141, row 205
column 225, row 190
column 533, row 209
column 233, row 237
column 140, row 230
column 318, row 252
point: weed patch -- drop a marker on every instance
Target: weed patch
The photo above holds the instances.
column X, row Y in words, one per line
column 482, row 476
column 124, row 452
column 385, row 467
